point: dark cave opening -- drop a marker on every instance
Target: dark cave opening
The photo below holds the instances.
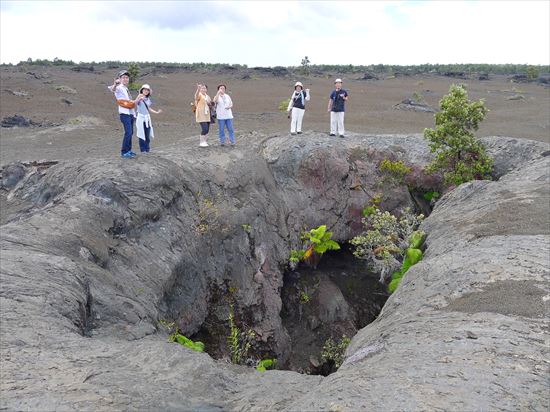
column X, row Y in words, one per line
column 333, row 301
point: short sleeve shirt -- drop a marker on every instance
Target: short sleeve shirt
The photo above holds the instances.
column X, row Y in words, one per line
column 142, row 107
column 338, row 101
column 121, row 92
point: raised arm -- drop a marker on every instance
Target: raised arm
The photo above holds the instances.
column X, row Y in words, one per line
column 112, row 88
column 197, row 92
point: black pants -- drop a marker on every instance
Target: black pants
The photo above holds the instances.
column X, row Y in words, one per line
column 205, row 128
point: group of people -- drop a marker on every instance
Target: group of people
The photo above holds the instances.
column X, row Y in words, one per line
column 128, row 110
column 208, row 110
column 336, row 108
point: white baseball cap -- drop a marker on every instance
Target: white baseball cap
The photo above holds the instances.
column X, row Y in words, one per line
column 145, row 86
column 338, row 81
column 299, row 84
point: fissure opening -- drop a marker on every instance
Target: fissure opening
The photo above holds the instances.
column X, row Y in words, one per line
column 326, row 306
column 322, row 309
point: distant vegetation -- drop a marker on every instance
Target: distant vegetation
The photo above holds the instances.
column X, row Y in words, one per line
column 532, row 71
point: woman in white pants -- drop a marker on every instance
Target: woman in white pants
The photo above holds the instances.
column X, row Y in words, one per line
column 297, row 108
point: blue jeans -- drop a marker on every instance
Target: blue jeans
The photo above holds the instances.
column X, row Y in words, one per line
column 128, row 123
column 223, row 123
column 144, row 144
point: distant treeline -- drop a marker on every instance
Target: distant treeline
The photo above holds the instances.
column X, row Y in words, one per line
column 312, row 68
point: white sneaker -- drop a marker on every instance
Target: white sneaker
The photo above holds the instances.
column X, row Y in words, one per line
column 203, row 144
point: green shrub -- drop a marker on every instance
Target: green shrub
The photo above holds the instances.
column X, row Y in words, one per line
column 296, row 255
column 266, row 364
column 305, row 66
column 304, row 297
column 185, row 341
column 369, row 210
column 385, row 240
column 413, row 255
column 431, row 195
column 133, row 72
column 416, row 239
column 458, row 154
column 239, row 341
column 283, row 106
column 317, row 242
column 335, row 351
column 396, row 171
column 532, row 72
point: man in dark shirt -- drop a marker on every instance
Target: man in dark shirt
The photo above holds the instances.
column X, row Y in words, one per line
column 336, row 104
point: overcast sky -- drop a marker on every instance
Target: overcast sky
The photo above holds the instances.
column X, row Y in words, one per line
column 278, row 33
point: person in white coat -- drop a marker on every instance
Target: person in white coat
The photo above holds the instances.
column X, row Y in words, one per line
column 297, row 107
column 144, row 125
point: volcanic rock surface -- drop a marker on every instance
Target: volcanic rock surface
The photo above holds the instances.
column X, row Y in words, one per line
column 96, row 253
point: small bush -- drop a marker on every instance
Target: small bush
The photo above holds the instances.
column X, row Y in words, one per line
column 334, row 352
column 304, row 298
column 266, row 364
column 386, row 240
column 395, row 170
column 431, row 195
column 133, row 72
column 317, row 242
column 458, row 154
column 532, row 72
column 185, row 341
column 283, row 106
column 239, row 341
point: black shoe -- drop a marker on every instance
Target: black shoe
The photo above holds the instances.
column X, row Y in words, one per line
column 299, row 132
column 332, row 134
column 342, row 136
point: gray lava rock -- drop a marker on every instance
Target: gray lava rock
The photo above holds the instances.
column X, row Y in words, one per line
column 12, row 174
column 410, row 104
column 16, row 120
column 89, row 271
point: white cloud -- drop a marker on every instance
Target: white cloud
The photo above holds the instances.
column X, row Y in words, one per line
column 278, row 33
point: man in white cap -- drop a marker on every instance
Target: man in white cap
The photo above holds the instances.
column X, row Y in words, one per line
column 336, row 107
column 298, row 107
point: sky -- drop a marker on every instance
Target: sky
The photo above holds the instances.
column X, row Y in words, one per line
column 278, row 33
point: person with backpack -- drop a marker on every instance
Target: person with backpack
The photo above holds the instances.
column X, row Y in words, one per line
column 125, row 110
column 143, row 122
column 224, row 104
column 203, row 107
column 296, row 107
column 336, row 107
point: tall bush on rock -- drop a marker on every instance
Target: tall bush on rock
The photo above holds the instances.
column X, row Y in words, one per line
column 458, row 153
